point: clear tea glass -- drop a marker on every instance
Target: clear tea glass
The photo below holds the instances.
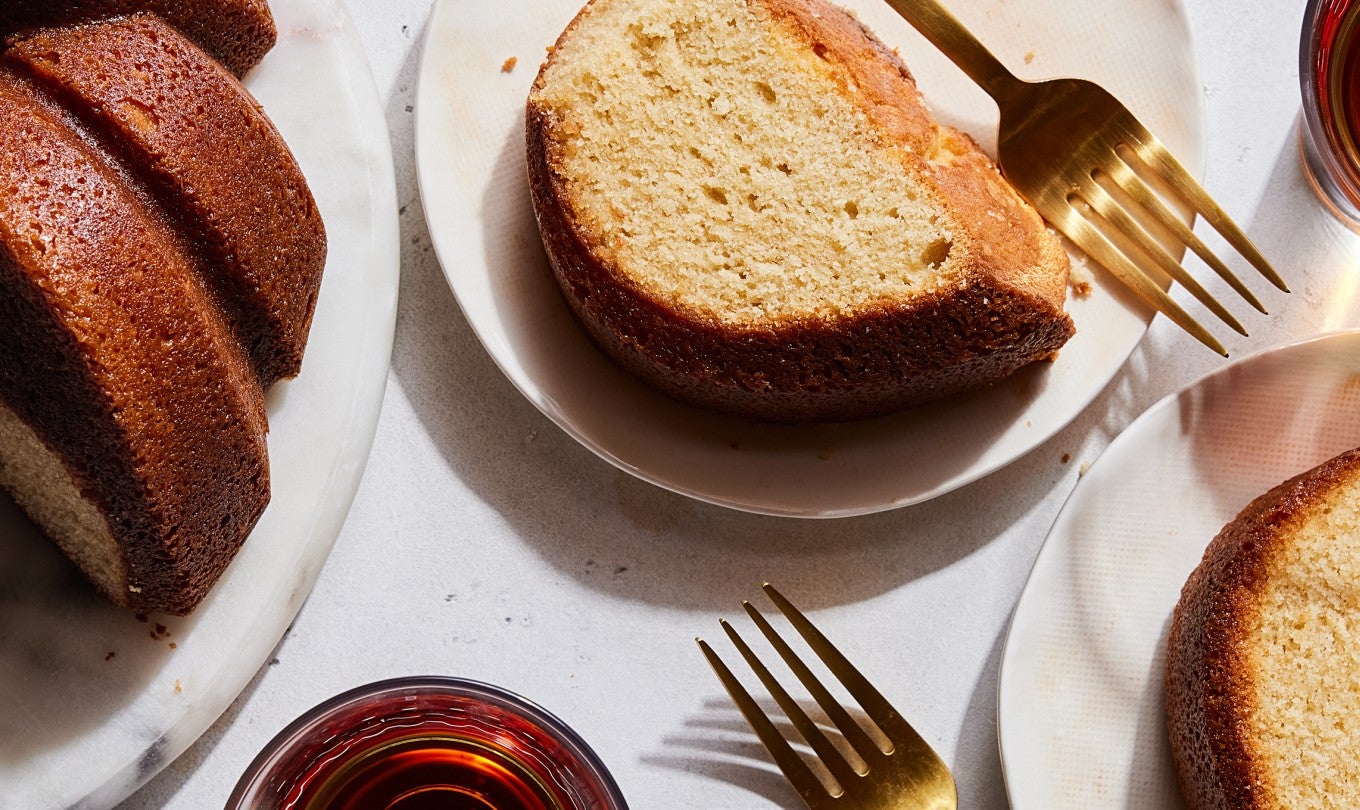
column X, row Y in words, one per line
column 426, row 743
column 1329, row 76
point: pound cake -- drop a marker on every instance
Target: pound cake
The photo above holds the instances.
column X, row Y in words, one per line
column 1263, row 658
column 247, row 207
column 747, row 204
column 160, row 256
column 237, row 33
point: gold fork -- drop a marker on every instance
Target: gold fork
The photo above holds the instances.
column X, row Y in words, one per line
column 908, row 776
column 1070, row 147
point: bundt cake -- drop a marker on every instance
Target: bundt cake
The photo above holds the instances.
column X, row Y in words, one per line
column 747, row 204
column 1263, row 658
column 247, row 207
column 237, row 33
column 160, row 256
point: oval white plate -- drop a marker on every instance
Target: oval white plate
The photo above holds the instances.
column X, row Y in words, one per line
column 1081, row 709
column 94, row 702
column 469, row 148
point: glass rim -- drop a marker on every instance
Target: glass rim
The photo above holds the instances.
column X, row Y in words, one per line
column 296, row 732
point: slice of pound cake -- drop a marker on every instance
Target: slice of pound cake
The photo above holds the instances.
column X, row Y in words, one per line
column 237, row 33
column 212, row 157
column 747, row 204
column 1263, row 659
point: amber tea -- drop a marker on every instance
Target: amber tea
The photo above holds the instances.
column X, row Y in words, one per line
column 1330, row 78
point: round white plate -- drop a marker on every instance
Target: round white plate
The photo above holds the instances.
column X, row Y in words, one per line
column 1081, row 708
column 470, row 153
column 93, row 702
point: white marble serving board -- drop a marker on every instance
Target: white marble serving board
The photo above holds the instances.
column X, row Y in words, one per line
column 94, row 700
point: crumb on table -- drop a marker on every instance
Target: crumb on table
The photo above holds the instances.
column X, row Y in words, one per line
column 1080, row 278
column 509, row 64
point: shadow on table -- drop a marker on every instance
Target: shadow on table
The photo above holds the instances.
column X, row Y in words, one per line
column 718, row 744
column 977, row 761
column 1317, row 255
column 70, row 662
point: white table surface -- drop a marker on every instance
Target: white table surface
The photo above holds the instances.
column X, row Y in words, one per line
column 486, row 543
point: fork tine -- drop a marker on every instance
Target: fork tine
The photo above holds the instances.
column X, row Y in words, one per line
column 826, row 752
column 1098, row 247
column 1123, row 176
column 1102, row 203
column 795, row 769
column 898, row 730
column 850, row 729
column 1153, row 155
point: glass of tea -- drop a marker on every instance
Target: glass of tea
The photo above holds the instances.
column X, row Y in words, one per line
column 426, row 743
column 1329, row 73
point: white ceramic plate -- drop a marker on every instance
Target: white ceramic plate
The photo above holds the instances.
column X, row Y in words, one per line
column 94, row 702
column 469, row 148
column 1081, row 706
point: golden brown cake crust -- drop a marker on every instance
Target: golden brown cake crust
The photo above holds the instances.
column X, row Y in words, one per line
column 116, row 357
column 238, row 33
column 1208, row 669
column 970, row 183
column 884, row 357
column 211, row 156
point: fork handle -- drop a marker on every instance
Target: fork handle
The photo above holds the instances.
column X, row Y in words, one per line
column 944, row 31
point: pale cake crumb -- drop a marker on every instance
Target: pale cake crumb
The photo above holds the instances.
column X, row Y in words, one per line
column 1265, row 644
column 692, row 189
